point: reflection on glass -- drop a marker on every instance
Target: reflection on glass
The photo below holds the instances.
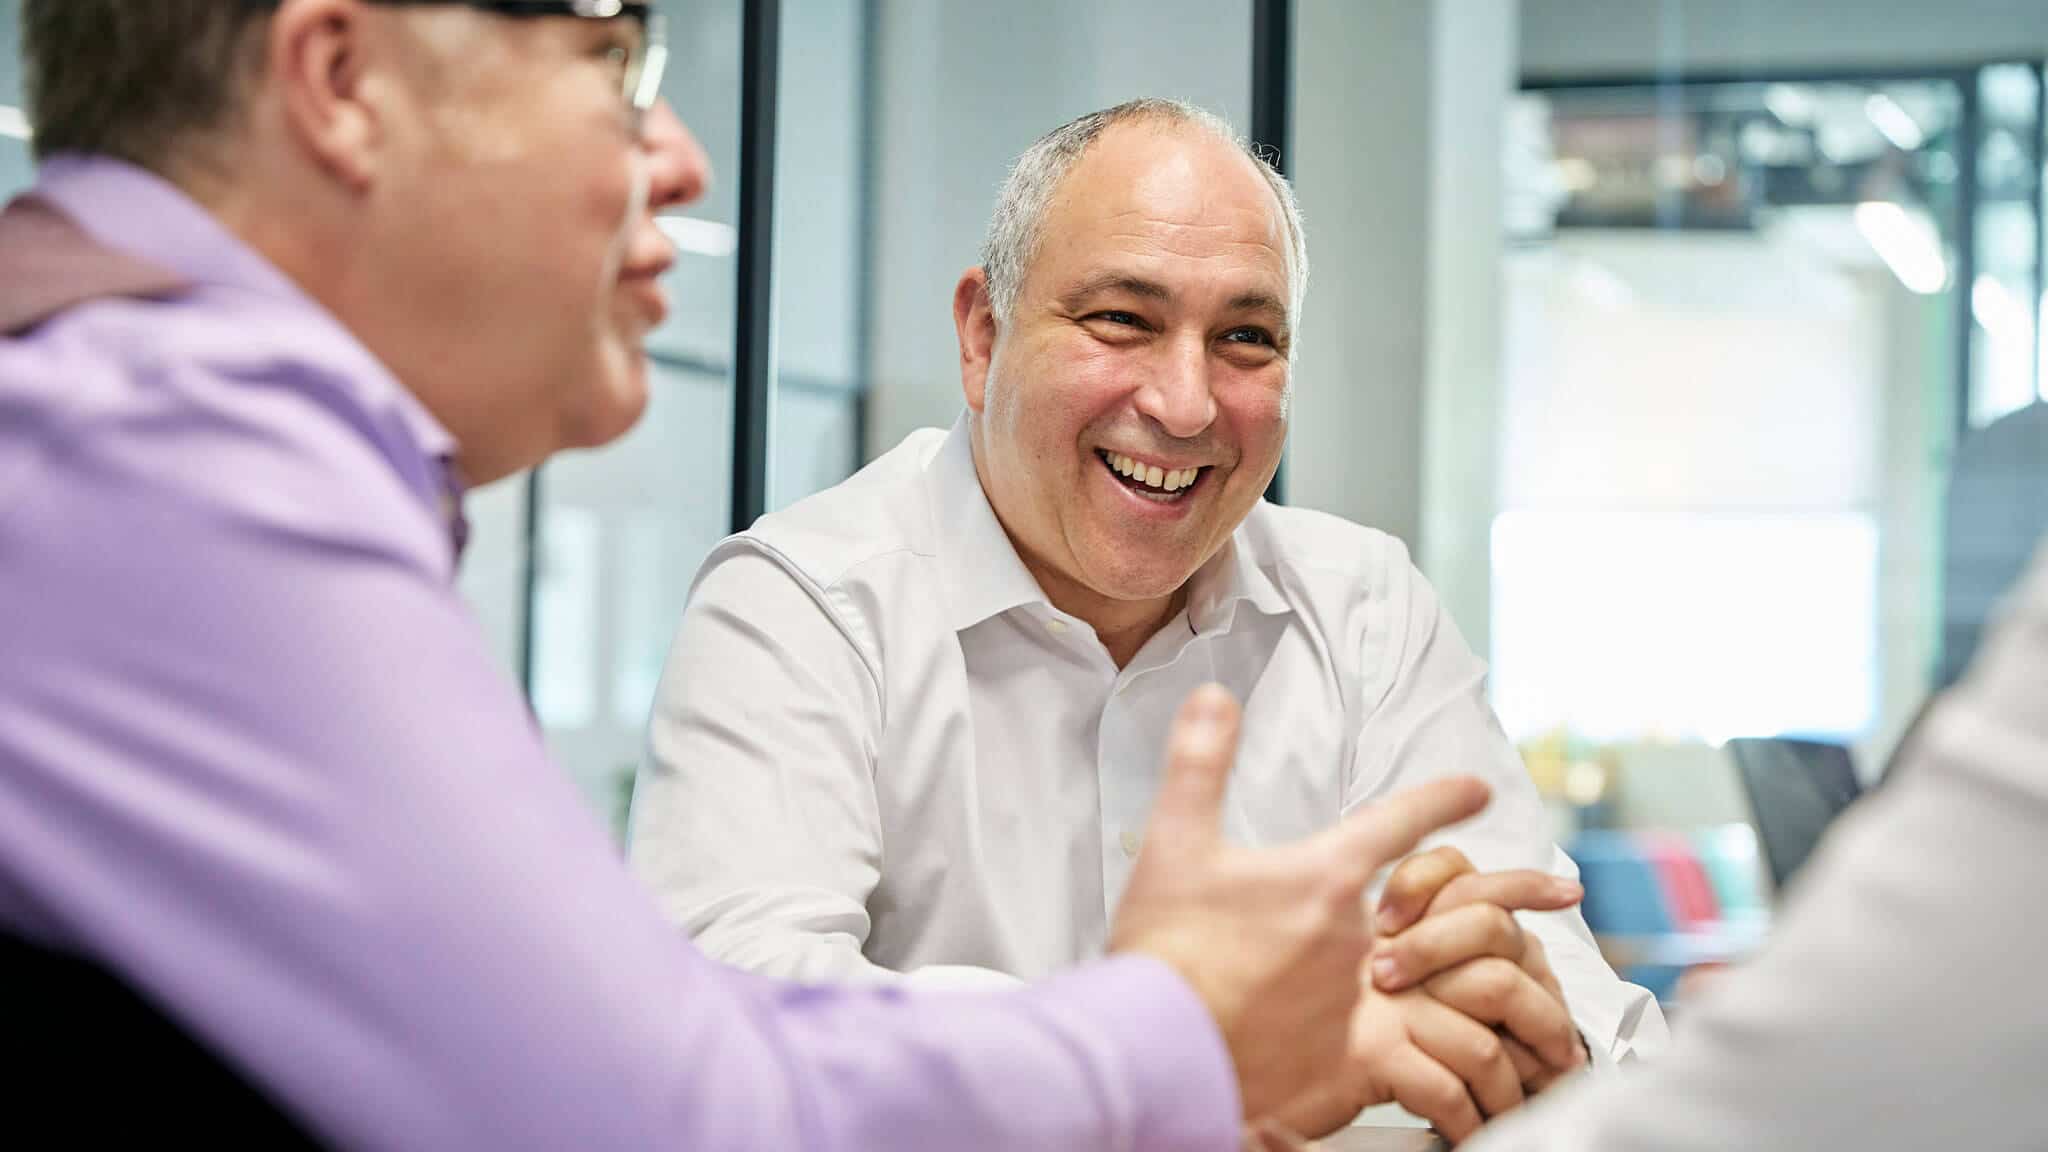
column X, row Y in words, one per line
column 1730, row 315
column 1619, row 626
column 2005, row 360
column 820, row 213
column 624, row 528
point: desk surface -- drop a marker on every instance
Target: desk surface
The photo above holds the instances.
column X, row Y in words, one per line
column 1382, row 1140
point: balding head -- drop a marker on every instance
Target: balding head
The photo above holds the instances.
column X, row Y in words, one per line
column 1125, row 355
column 1017, row 228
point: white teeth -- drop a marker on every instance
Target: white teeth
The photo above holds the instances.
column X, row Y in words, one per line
column 1150, row 476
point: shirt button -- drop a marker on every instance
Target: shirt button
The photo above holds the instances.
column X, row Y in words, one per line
column 1056, row 627
column 1131, row 843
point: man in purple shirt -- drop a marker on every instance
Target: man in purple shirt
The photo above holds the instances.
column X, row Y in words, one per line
column 294, row 273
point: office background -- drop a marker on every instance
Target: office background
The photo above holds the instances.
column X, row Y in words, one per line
column 1658, row 328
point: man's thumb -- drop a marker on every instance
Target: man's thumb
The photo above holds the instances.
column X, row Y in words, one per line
column 1200, row 751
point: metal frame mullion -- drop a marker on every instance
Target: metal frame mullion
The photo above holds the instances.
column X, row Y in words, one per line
column 1273, row 117
column 753, row 351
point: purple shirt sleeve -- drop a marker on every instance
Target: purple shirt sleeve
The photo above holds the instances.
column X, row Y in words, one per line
column 255, row 757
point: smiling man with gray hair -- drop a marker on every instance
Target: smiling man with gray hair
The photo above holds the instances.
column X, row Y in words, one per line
column 910, row 727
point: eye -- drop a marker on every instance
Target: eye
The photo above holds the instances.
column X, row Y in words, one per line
column 1255, row 336
column 1123, row 319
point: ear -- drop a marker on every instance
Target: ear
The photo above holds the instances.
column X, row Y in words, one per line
column 975, row 320
column 318, row 58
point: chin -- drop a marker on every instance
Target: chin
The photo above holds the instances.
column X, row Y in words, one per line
column 1143, row 581
column 615, row 407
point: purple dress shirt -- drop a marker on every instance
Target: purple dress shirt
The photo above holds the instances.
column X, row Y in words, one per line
column 255, row 757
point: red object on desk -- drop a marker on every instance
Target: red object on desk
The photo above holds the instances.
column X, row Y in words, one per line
column 1688, row 891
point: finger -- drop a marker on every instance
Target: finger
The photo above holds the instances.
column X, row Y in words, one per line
column 1475, row 1052
column 1536, row 962
column 1199, row 751
column 1390, row 829
column 1441, row 943
column 1520, row 890
column 1500, row 993
column 1415, row 883
column 1535, row 1075
column 1431, row 1091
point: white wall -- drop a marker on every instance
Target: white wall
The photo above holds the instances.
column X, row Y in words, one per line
column 1709, row 441
column 1399, row 111
column 1585, row 37
column 961, row 90
column 1661, row 375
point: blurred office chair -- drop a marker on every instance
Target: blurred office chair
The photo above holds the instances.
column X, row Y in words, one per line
column 1796, row 789
column 97, row 1065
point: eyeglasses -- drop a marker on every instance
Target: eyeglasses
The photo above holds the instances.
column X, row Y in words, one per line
column 642, row 60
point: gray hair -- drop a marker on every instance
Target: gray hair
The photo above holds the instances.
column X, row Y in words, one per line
column 1017, row 229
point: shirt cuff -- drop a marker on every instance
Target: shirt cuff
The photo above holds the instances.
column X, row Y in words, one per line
column 1183, row 1086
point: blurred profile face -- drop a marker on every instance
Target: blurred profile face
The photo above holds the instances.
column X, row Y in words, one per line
column 1135, row 407
column 519, row 206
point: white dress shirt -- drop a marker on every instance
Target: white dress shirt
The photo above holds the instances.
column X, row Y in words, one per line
column 878, row 749
column 1900, row 1006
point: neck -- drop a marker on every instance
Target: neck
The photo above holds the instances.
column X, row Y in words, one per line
column 1123, row 626
column 328, row 264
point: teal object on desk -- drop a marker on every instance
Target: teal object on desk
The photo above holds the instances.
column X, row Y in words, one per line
column 1624, row 897
column 1729, row 853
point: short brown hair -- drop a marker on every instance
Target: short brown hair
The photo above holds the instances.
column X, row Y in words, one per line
column 134, row 79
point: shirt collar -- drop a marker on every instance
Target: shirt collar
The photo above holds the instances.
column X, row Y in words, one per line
column 1233, row 576
column 137, row 212
column 985, row 577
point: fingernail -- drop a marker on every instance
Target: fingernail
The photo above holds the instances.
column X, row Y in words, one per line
column 1569, row 890
column 1386, row 970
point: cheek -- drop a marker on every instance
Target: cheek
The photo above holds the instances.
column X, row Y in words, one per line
column 1089, row 387
column 1254, row 410
column 1048, row 398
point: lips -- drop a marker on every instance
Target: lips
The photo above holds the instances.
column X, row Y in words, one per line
column 647, row 294
column 1153, row 482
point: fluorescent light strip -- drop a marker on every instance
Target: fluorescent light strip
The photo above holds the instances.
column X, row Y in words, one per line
column 13, row 122
column 1998, row 310
column 1895, row 122
column 1906, row 242
column 701, row 237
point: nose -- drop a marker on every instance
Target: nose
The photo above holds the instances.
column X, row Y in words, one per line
column 679, row 171
column 1177, row 397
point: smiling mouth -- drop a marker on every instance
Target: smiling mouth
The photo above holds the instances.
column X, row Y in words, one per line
column 1154, row 484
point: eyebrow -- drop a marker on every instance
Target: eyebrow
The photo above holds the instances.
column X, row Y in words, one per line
column 1262, row 302
column 1254, row 301
column 1116, row 282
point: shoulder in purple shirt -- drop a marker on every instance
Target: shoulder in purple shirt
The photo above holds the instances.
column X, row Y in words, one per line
column 254, row 757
